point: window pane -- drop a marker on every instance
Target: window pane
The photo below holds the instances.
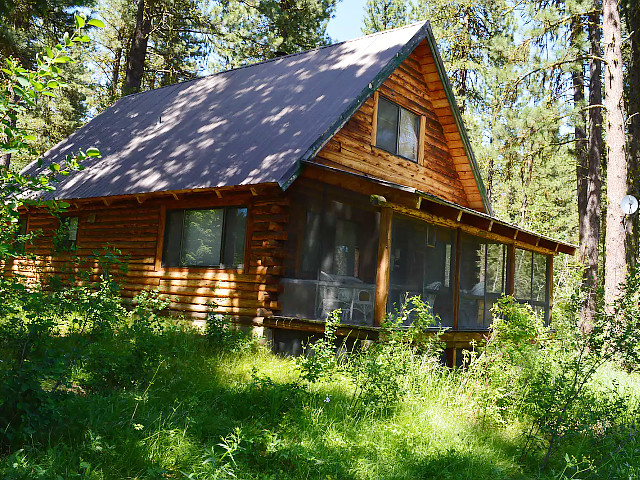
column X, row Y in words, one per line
column 202, row 237
column 522, row 287
column 311, row 243
column 421, row 265
column 387, row 128
column 172, row 238
column 234, row 236
column 408, row 139
column 539, row 280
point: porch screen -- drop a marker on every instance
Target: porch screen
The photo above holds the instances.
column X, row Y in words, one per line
column 331, row 257
column 483, row 273
column 531, row 285
column 421, row 264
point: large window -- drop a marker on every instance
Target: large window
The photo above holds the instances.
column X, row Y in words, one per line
column 531, row 280
column 398, row 130
column 205, row 238
column 422, row 264
column 483, row 273
column 331, row 256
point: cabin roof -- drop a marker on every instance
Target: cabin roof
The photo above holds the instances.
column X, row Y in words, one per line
column 250, row 125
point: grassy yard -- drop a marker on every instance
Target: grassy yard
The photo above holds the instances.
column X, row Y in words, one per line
column 204, row 413
column 101, row 394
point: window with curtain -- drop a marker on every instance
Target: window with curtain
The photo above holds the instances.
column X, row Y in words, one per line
column 398, row 130
column 205, row 237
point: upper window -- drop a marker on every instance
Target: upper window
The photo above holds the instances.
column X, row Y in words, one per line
column 205, row 238
column 398, row 130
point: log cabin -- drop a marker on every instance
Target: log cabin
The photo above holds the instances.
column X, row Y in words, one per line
column 340, row 177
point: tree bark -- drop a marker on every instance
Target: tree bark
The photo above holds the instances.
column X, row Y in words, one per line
column 138, row 52
column 115, row 74
column 591, row 222
column 632, row 10
column 615, row 259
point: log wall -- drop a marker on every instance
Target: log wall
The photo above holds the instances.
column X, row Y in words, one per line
column 136, row 230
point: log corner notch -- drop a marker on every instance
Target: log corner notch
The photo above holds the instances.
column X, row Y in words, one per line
column 384, row 260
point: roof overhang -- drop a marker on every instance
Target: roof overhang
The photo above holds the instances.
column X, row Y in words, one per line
column 452, row 215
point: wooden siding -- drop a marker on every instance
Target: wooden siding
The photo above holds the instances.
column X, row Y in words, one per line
column 136, row 230
column 444, row 170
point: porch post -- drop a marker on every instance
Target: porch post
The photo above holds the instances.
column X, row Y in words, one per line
column 511, row 269
column 382, row 274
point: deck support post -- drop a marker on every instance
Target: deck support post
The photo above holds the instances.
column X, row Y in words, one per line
column 511, row 268
column 456, row 278
column 382, row 274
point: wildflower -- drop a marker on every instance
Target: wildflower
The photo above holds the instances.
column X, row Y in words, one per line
column 327, row 400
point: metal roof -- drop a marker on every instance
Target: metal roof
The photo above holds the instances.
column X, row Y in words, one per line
column 244, row 126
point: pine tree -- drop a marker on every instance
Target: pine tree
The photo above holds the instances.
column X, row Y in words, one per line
column 382, row 15
column 615, row 260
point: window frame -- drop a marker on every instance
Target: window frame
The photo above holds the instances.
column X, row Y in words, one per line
column 221, row 266
column 20, row 245
column 420, row 134
column 546, row 304
column 66, row 244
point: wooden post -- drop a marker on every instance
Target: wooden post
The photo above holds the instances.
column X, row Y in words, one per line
column 456, row 278
column 374, row 122
column 550, row 284
column 162, row 220
column 421, row 139
column 384, row 259
column 511, row 269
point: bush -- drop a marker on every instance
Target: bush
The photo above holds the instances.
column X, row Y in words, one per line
column 224, row 336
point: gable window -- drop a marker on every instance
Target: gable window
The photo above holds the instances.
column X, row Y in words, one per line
column 398, row 130
column 205, row 237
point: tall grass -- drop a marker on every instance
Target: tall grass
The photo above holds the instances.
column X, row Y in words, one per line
column 199, row 408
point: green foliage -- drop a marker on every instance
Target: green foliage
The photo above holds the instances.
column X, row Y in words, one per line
column 384, row 15
column 321, row 359
column 224, row 336
column 21, row 90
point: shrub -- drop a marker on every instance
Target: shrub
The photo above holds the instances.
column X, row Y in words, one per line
column 223, row 335
column 321, row 359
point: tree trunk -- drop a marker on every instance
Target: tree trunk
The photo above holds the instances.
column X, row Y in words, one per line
column 591, row 222
column 115, row 74
column 138, row 52
column 632, row 10
column 615, row 260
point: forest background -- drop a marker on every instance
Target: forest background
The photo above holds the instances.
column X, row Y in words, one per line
column 528, row 77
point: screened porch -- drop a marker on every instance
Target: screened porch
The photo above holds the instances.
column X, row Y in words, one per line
column 336, row 258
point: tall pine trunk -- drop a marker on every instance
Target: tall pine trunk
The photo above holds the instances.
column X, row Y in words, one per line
column 615, row 260
column 591, row 221
column 632, row 10
column 138, row 51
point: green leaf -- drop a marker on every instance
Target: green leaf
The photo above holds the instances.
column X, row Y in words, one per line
column 23, row 81
column 93, row 152
column 49, row 52
column 65, row 39
column 79, row 21
column 62, row 59
column 94, row 22
column 52, row 84
column 30, row 138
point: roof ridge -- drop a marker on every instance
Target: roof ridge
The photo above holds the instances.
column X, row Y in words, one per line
column 269, row 60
